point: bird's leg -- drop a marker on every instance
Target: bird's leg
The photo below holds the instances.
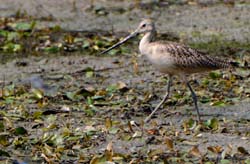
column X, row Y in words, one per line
column 162, row 101
column 195, row 100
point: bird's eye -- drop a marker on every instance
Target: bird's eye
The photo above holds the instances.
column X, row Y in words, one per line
column 144, row 25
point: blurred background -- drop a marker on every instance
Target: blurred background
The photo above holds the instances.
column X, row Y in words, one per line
column 189, row 21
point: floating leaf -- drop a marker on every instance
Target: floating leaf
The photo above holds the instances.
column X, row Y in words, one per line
column 108, row 123
column 155, row 152
column 225, row 161
column 70, row 95
column 212, row 124
column 4, row 33
column 4, row 153
column 37, row 114
column 137, row 134
column 204, row 99
column 195, row 151
column 106, row 157
column 247, row 161
column 218, row 103
column 52, row 49
column 189, row 125
column 56, row 28
column 114, row 51
column 122, row 86
column 215, row 149
column 11, row 36
column 170, row 144
column 20, row 131
column 98, row 159
column 23, row 26
column 85, row 44
column 114, row 130
column 8, row 122
column 86, row 92
column 37, row 93
column 153, row 131
column 12, row 47
column 69, row 39
column 242, row 150
column 89, row 74
column 77, row 95
column 4, row 140
column 111, row 88
column 109, row 151
column 1, row 126
column 46, row 158
column 214, row 75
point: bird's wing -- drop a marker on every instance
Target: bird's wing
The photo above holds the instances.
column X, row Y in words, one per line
column 186, row 57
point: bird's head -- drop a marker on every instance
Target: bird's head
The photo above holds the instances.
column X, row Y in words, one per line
column 146, row 25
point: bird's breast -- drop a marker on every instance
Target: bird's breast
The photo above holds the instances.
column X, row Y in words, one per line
column 163, row 63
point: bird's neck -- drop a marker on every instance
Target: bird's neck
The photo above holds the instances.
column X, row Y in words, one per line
column 146, row 39
column 149, row 37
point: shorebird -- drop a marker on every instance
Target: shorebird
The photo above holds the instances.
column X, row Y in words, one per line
column 173, row 59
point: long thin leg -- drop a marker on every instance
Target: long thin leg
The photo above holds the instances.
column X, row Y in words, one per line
column 162, row 101
column 195, row 100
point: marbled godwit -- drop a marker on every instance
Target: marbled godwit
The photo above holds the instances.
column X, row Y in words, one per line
column 173, row 59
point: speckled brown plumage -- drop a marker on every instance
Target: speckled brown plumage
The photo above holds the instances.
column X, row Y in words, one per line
column 190, row 60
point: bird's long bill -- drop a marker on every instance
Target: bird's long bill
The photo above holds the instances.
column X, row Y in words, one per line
column 121, row 42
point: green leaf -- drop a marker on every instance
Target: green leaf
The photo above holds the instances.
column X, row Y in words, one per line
column 24, row 26
column 9, row 100
column 85, row 44
column 99, row 159
column 37, row 114
column 70, row 95
column 191, row 123
column 242, row 150
column 52, row 49
column 215, row 75
column 209, row 162
column 4, row 33
column 11, row 47
column 90, row 112
column 114, row 51
column 89, row 74
column 20, row 131
column 218, row 103
column 79, row 94
column 56, row 28
column 4, row 140
column 100, row 43
column 12, row 35
column 1, row 126
column 225, row 161
column 90, row 101
column 37, row 93
column 247, row 161
column 204, row 99
column 113, row 130
column 212, row 123
column 112, row 88
column 4, row 153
